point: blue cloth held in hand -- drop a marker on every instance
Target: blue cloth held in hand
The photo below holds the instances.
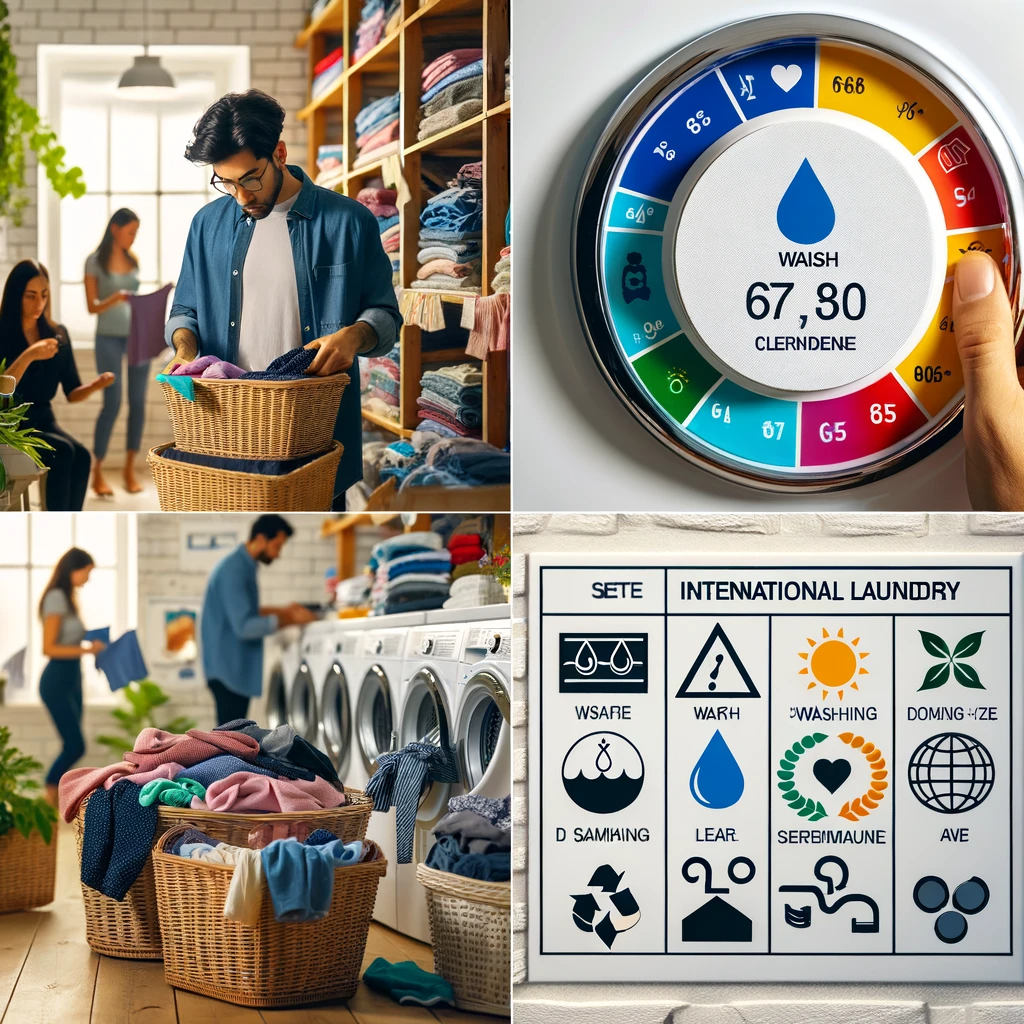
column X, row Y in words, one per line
column 102, row 634
column 122, row 662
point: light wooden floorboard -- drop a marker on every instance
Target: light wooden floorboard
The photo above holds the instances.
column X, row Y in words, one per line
column 16, row 934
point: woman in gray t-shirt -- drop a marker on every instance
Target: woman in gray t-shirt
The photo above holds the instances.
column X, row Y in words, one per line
column 111, row 276
column 60, row 686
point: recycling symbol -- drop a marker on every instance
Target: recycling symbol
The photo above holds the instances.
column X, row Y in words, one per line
column 616, row 909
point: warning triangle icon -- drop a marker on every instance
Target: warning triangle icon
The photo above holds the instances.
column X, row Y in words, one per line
column 718, row 671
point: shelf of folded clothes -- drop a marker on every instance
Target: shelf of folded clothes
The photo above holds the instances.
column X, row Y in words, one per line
column 377, row 128
column 330, row 165
column 324, row 16
column 380, row 201
column 379, row 21
column 452, row 93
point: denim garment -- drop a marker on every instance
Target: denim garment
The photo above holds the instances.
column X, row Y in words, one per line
column 455, row 209
column 341, row 271
column 232, row 627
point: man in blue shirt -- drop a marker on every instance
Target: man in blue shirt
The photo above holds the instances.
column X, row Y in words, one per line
column 233, row 624
column 280, row 263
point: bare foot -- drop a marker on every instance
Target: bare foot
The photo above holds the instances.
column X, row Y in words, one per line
column 99, row 484
column 131, row 485
column 51, row 795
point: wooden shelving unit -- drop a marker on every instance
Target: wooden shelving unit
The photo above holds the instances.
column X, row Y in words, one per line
column 396, row 64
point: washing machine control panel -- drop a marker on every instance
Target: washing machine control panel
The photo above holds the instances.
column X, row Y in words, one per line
column 427, row 646
column 388, row 645
column 772, row 240
column 489, row 641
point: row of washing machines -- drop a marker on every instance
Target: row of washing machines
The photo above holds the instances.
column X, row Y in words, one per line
column 358, row 688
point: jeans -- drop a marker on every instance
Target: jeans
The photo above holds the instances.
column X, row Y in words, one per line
column 68, row 463
column 110, row 355
column 230, row 705
column 455, row 209
column 60, row 688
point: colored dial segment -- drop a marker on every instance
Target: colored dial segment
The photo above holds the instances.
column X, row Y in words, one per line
column 962, row 182
column 776, row 78
column 676, row 376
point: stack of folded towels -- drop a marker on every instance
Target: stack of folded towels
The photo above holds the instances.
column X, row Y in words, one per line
column 330, row 164
column 450, row 230
column 352, row 596
column 411, row 573
column 298, row 875
column 237, row 767
column 377, row 19
column 385, row 382
column 474, row 839
column 451, row 400
column 327, row 71
column 380, row 201
column 377, row 129
column 457, row 462
column 453, row 90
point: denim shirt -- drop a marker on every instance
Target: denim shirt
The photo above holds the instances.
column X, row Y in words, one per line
column 231, row 627
column 341, row 271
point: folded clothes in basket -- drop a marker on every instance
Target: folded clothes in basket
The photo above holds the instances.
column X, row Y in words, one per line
column 445, row 855
column 261, row 467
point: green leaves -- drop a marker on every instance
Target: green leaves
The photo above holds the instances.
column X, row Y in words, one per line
column 963, row 673
column 19, row 807
column 143, row 698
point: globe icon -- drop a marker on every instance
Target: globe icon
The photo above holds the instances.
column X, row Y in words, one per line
column 951, row 773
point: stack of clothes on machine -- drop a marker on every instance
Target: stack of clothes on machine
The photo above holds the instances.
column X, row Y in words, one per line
column 411, row 573
column 380, row 201
column 451, row 400
column 238, row 768
column 450, row 230
column 453, row 91
column 377, row 129
column 474, row 839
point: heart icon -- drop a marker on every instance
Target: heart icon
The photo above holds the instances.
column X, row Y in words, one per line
column 786, row 77
column 832, row 774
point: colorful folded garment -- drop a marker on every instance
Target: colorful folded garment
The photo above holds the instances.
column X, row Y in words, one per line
column 448, row 267
column 459, row 75
column 453, row 60
column 439, row 416
column 460, row 252
column 467, row 89
column 382, row 196
column 382, row 136
column 448, row 118
column 447, row 283
column 332, row 58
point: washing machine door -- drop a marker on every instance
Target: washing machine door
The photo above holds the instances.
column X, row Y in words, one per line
column 483, row 735
column 277, row 701
column 375, row 722
column 302, row 710
column 336, row 717
column 426, row 717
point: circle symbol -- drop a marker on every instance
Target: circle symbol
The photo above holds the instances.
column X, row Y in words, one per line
column 951, row 773
column 833, row 663
column 603, row 772
column 951, row 927
column 971, row 896
column 931, row 894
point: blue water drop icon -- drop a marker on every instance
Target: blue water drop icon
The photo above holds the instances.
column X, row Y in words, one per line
column 806, row 214
column 716, row 780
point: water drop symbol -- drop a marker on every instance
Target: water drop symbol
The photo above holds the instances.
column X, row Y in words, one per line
column 586, row 659
column 716, row 780
column 602, row 751
column 806, row 214
column 625, row 659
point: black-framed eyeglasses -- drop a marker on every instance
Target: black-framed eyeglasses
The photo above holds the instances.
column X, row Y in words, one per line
column 253, row 183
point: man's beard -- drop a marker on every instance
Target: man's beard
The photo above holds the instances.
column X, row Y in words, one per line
column 265, row 558
column 266, row 207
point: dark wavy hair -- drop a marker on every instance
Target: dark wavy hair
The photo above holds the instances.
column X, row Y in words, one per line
column 119, row 219
column 71, row 561
column 12, row 337
column 239, row 120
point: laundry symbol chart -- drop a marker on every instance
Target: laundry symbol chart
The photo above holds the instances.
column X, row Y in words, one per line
column 602, row 663
column 931, row 894
column 718, row 920
column 951, row 773
column 603, row 772
column 718, row 671
column 802, row 916
column 716, row 780
column 615, row 910
column 834, row 663
column 805, row 214
column 800, row 788
column 953, row 662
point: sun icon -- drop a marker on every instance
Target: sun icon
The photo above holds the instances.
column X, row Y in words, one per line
column 834, row 663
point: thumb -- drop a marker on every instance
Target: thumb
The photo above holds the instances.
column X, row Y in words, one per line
column 983, row 326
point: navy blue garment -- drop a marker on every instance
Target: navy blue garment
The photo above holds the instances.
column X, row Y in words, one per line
column 60, row 689
column 288, row 366
column 413, row 604
column 320, row 836
column 342, row 273
column 122, row 662
column 117, row 838
column 220, row 767
column 285, row 769
column 190, row 835
column 264, row 467
column 399, row 781
column 445, row 855
column 300, row 754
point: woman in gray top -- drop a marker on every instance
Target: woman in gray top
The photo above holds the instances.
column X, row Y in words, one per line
column 60, row 686
column 111, row 276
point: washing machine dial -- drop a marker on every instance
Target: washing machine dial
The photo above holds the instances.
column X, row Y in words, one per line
column 495, row 645
column 765, row 244
column 378, row 647
column 427, row 645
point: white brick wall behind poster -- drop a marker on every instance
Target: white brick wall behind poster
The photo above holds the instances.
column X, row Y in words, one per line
column 717, row 1003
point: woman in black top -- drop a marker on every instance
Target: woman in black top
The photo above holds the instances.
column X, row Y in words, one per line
column 39, row 357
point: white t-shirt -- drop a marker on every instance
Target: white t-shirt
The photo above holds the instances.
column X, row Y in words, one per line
column 270, row 297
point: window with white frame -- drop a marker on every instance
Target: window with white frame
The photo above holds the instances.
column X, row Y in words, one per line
column 131, row 152
column 31, row 548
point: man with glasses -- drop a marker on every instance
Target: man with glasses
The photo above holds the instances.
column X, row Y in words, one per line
column 286, row 264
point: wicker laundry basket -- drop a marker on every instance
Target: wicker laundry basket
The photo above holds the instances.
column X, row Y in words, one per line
column 131, row 928
column 271, row 964
column 28, row 870
column 257, row 419
column 182, row 487
column 471, row 930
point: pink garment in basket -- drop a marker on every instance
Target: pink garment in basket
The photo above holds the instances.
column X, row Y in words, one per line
column 260, row 794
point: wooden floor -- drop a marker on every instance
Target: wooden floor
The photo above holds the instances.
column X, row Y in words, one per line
column 49, row 975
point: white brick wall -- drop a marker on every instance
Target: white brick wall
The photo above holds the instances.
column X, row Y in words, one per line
column 297, row 576
column 278, row 68
column 702, row 1003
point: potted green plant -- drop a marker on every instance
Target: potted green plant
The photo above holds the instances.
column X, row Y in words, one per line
column 142, row 699
column 28, row 848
